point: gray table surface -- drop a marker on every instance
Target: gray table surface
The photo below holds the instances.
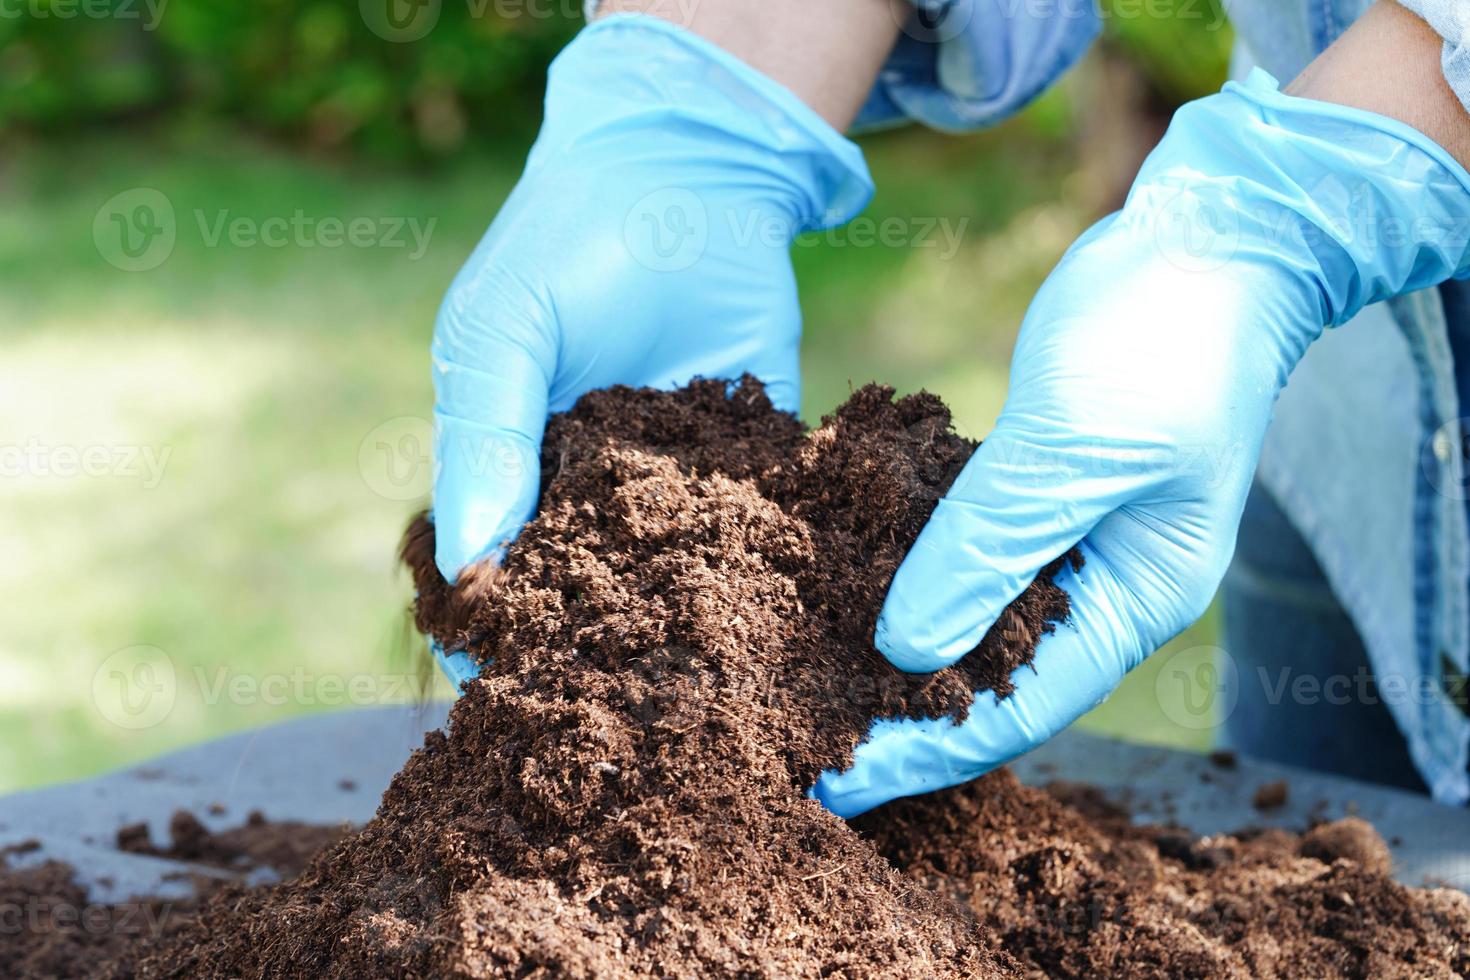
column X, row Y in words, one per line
column 332, row 768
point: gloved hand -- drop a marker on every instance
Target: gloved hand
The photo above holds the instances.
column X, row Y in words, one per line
column 1141, row 387
column 648, row 242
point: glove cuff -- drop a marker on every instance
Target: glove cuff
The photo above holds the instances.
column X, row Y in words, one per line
column 694, row 101
column 1363, row 206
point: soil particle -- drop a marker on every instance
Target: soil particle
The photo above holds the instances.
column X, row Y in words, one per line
column 1271, row 796
column 1224, row 759
column 1350, row 839
column 676, row 646
column 258, row 843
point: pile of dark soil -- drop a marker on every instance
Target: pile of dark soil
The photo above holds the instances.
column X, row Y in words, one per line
column 677, row 645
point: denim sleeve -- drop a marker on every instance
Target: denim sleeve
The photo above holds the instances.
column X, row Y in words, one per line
column 967, row 64
column 1451, row 21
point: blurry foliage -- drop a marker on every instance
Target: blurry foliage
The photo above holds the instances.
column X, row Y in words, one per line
column 1182, row 47
column 315, row 74
column 311, row 71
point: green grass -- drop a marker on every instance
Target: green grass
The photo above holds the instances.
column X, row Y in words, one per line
column 259, row 572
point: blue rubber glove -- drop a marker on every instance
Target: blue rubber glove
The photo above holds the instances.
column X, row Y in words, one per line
column 647, row 243
column 1141, row 387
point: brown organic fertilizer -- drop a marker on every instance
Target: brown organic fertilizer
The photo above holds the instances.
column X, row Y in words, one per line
column 674, row 649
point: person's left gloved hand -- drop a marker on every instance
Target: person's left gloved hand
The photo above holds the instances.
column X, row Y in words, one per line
column 648, row 242
column 1141, row 387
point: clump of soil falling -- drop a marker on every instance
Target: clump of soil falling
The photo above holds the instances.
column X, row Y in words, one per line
column 676, row 646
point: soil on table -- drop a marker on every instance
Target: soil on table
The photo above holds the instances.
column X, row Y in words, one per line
column 49, row 926
column 258, row 843
column 674, row 649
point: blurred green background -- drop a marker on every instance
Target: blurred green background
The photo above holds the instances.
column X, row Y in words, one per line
column 209, row 446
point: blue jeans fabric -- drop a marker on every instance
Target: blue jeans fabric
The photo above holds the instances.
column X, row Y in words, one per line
column 1302, row 691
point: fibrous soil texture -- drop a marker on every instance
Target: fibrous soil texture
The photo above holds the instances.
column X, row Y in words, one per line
column 674, row 649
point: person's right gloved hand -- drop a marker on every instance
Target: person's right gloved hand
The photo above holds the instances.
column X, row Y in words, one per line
column 1141, row 388
column 647, row 243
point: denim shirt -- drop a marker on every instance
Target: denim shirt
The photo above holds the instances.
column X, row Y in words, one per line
column 963, row 64
column 1365, row 455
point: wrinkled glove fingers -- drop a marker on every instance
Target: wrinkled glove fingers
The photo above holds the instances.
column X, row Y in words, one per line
column 1020, row 503
column 1075, row 669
